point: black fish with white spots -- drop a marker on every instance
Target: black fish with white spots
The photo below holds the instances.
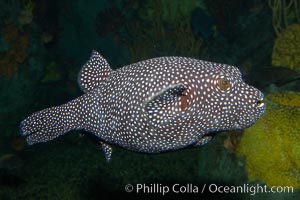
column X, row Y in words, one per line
column 152, row 106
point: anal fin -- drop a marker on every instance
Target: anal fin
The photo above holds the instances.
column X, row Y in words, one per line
column 202, row 141
column 107, row 150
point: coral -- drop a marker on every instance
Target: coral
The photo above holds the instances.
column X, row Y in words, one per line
column 169, row 10
column 158, row 40
column 18, row 143
column 286, row 50
column 9, row 10
column 17, row 52
column 232, row 140
column 286, row 98
column 46, row 38
column 163, row 27
column 271, row 147
column 283, row 12
column 10, row 161
column 53, row 73
column 26, row 15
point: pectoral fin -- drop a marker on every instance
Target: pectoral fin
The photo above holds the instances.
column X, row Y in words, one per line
column 167, row 104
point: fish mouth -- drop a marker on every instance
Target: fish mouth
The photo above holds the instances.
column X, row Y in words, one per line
column 260, row 103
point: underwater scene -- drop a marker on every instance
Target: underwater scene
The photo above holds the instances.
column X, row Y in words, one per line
column 76, row 124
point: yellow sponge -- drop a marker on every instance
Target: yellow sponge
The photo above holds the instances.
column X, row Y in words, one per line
column 286, row 50
column 271, row 147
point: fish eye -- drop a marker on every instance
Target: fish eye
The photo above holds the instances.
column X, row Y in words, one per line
column 224, row 83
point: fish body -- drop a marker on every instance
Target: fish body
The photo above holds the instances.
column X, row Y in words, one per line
column 152, row 106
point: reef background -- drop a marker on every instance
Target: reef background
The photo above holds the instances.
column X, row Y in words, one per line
column 43, row 45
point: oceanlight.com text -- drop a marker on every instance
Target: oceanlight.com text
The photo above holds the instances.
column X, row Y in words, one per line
column 157, row 188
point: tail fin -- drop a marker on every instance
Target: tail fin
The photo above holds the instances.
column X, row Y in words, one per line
column 48, row 124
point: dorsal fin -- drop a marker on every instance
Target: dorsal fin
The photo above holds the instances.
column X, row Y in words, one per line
column 167, row 104
column 93, row 72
